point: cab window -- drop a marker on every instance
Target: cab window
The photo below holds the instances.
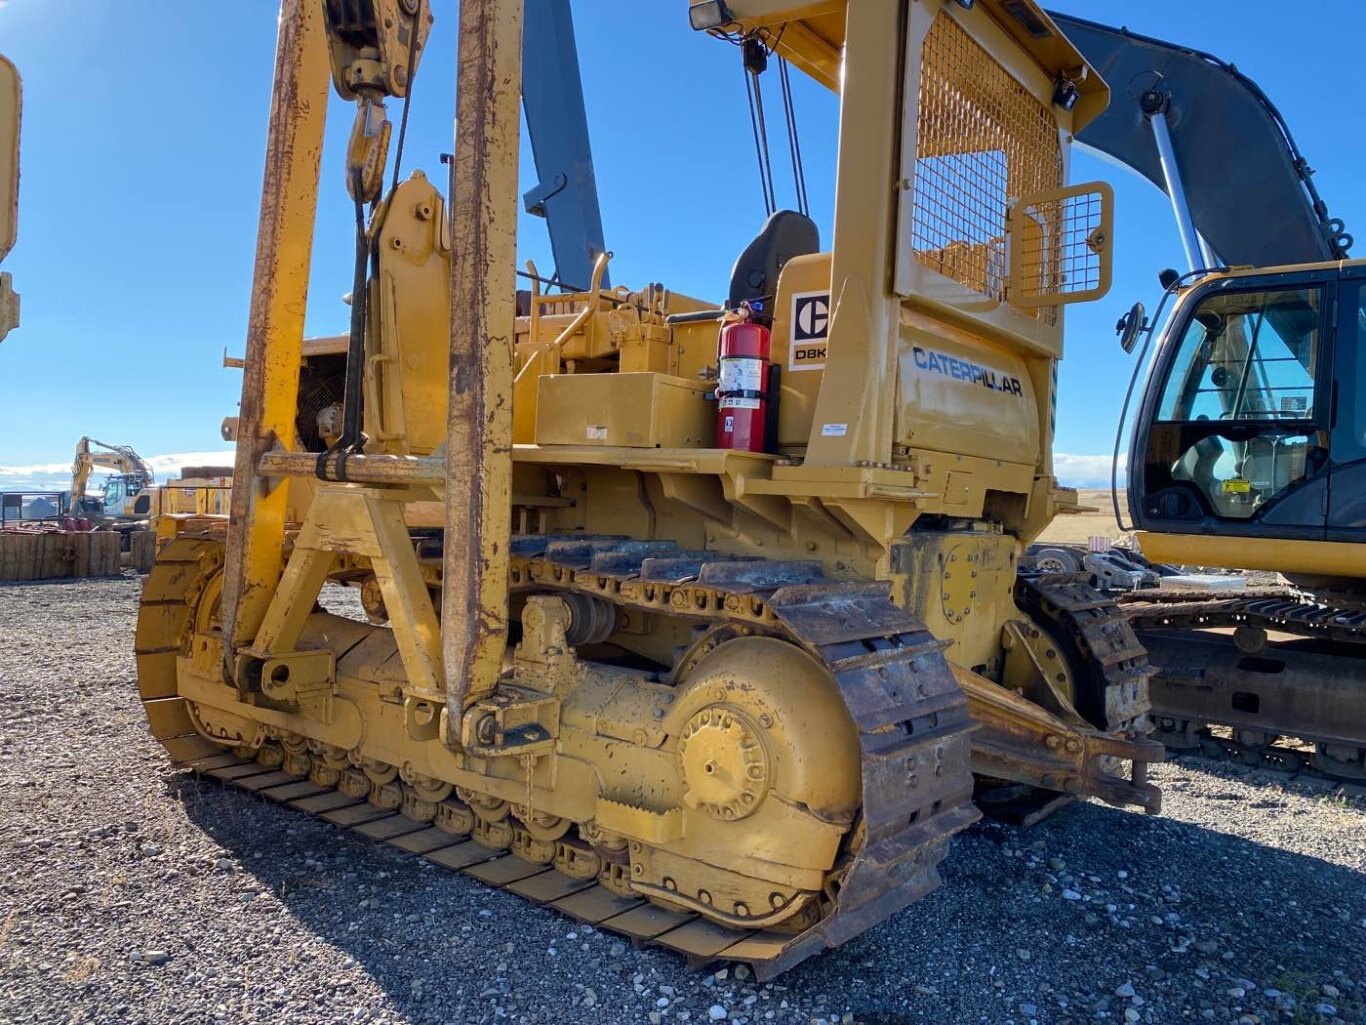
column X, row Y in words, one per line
column 1350, row 441
column 1236, row 424
column 1247, row 356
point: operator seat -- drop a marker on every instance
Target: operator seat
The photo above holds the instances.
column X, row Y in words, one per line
column 784, row 235
column 1197, row 465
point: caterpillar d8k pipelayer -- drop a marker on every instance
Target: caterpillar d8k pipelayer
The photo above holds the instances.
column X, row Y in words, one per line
column 716, row 673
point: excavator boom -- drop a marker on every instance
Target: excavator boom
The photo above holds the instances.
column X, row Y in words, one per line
column 1184, row 119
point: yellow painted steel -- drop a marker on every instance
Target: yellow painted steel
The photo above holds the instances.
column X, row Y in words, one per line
column 1318, row 558
column 853, row 415
column 11, row 105
column 407, row 361
column 275, row 327
column 483, row 328
column 671, row 737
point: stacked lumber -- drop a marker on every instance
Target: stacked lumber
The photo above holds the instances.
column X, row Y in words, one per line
column 46, row 554
column 142, row 550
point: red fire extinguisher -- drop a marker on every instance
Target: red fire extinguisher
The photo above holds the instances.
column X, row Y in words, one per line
column 742, row 387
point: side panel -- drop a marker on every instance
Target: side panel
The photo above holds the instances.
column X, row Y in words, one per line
column 961, row 395
column 801, row 329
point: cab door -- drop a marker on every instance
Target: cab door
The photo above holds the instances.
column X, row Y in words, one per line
column 1347, row 486
column 1235, row 432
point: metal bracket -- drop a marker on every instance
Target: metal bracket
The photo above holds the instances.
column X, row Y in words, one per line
column 422, row 716
column 1024, row 661
column 534, row 199
column 301, row 680
column 9, row 305
column 510, row 723
column 1021, row 741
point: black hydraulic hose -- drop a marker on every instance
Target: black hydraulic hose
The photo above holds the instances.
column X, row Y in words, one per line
column 355, row 350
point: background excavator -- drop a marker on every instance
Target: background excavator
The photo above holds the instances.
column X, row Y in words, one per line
column 125, row 498
column 700, row 622
column 130, row 498
column 1248, row 448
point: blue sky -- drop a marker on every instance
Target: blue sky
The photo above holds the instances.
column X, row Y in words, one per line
column 144, row 134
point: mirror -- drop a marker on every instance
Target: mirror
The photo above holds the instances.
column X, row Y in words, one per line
column 1130, row 326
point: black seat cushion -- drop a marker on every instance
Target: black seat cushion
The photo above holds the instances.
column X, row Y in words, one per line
column 785, row 234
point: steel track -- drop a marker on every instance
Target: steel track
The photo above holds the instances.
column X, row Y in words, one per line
column 1184, row 716
column 911, row 715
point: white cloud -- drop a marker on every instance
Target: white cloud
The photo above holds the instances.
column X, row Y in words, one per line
column 57, row 476
column 1078, row 471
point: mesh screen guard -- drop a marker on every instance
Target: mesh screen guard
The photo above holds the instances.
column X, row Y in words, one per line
column 989, row 211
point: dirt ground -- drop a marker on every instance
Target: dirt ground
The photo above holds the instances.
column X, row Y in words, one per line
column 131, row 892
column 1098, row 521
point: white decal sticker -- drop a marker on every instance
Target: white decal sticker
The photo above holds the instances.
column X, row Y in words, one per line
column 736, row 402
column 740, row 375
column 596, row 433
column 834, row 430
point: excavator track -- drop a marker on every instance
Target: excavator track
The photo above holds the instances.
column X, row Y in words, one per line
column 1309, row 683
column 910, row 713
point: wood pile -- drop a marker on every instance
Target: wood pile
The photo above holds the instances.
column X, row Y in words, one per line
column 28, row 553
column 142, row 550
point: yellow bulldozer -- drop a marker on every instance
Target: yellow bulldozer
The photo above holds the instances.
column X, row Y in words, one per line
column 699, row 621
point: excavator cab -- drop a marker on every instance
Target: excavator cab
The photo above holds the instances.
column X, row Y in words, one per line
column 1251, row 425
column 1247, row 440
column 1237, row 420
column 125, row 494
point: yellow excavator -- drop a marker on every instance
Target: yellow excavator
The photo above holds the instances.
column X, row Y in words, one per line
column 125, row 498
column 699, row 621
column 1248, row 448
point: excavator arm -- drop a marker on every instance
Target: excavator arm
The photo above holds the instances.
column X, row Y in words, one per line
column 1207, row 136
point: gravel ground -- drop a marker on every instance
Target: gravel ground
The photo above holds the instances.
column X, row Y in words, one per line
column 131, row 892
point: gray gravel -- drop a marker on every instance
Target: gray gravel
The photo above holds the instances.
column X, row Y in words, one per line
column 131, row 892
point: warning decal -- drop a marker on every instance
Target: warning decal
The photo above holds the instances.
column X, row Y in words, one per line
column 810, row 329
